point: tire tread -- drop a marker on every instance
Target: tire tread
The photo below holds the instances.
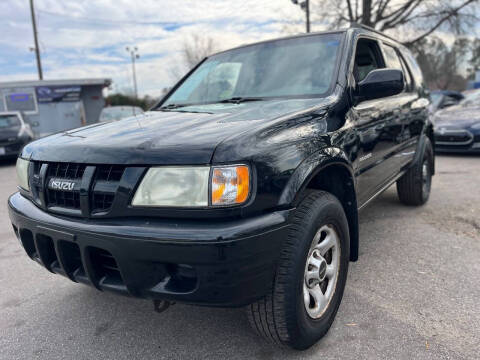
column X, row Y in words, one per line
column 264, row 314
column 409, row 186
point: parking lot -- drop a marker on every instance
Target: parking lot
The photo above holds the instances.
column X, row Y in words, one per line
column 413, row 294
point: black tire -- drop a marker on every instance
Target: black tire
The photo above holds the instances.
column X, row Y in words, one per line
column 281, row 317
column 414, row 186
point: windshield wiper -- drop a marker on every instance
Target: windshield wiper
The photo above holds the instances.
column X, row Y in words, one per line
column 233, row 100
column 171, row 106
column 239, row 99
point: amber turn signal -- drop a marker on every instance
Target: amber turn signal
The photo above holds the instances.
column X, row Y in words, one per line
column 230, row 185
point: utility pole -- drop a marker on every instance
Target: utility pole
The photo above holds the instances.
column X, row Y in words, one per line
column 307, row 13
column 305, row 6
column 35, row 37
column 134, row 54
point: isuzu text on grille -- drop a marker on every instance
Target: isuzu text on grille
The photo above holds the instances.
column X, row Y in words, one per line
column 61, row 185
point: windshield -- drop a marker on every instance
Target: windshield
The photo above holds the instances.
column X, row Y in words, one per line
column 119, row 112
column 436, row 98
column 9, row 121
column 471, row 99
column 296, row 67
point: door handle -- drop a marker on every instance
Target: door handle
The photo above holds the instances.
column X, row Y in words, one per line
column 379, row 127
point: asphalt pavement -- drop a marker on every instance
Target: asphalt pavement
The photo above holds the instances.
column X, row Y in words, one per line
column 413, row 294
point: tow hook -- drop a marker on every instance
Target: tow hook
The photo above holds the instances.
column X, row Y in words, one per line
column 161, row 305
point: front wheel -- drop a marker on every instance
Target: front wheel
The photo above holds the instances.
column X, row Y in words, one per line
column 310, row 277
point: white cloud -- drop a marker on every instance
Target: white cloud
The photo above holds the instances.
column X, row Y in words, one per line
column 83, row 38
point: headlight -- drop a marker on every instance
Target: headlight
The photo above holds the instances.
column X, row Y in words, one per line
column 174, row 186
column 22, row 173
column 230, row 185
column 476, row 126
column 189, row 186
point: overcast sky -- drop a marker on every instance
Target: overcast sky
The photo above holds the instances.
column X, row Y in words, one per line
column 85, row 38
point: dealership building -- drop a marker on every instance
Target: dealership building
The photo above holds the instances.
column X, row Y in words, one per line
column 54, row 105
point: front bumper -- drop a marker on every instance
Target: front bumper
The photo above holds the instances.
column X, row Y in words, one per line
column 457, row 141
column 217, row 263
column 12, row 149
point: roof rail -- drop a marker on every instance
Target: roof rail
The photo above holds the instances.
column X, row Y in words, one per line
column 354, row 25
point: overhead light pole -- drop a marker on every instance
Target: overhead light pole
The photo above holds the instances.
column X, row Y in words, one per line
column 305, row 6
column 134, row 55
column 35, row 38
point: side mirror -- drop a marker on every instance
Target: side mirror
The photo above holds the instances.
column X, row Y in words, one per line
column 380, row 83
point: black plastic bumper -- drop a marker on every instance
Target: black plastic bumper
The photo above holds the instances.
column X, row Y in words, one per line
column 12, row 149
column 221, row 263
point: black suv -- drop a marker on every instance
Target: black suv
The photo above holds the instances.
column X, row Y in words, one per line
column 242, row 186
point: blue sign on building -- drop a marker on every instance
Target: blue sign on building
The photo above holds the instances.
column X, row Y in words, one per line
column 47, row 94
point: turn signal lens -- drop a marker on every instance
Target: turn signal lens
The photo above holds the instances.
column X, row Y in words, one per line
column 230, row 185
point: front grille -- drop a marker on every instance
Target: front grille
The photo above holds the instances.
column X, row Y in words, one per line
column 110, row 173
column 100, row 184
column 102, row 202
column 64, row 199
column 102, row 198
column 453, row 137
column 66, row 170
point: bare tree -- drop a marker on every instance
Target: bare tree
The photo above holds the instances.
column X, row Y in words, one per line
column 196, row 48
column 474, row 60
column 423, row 17
column 443, row 65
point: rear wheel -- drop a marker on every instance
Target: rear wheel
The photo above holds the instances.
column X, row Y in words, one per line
column 414, row 186
column 310, row 276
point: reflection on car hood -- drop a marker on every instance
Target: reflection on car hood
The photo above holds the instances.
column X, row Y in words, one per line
column 458, row 116
column 188, row 135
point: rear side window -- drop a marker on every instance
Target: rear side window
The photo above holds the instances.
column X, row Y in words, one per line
column 395, row 60
column 408, row 76
column 391, row 58
column 412, row 64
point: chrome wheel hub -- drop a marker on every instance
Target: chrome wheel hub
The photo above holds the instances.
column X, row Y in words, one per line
column 321, row 271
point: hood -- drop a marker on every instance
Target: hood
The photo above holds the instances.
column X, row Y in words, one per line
column 187, row 135
column 458, row 116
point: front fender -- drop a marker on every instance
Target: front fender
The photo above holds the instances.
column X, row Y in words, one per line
column 335, row 175
column 310, row 167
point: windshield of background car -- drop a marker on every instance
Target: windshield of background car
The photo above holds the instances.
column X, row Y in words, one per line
column 9, row 122
column 472, row 99
column 296, row 67
column 436, row 98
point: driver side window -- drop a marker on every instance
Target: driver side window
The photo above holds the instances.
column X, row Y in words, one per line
column 367, row 58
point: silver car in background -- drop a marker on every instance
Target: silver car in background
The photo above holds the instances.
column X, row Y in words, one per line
column 14, row 134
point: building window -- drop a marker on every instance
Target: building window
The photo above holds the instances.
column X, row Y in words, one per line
column 24, row 101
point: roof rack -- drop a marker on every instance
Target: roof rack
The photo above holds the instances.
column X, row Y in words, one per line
column 354, row 25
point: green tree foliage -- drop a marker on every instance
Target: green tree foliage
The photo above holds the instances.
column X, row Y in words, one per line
column 120, row 99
